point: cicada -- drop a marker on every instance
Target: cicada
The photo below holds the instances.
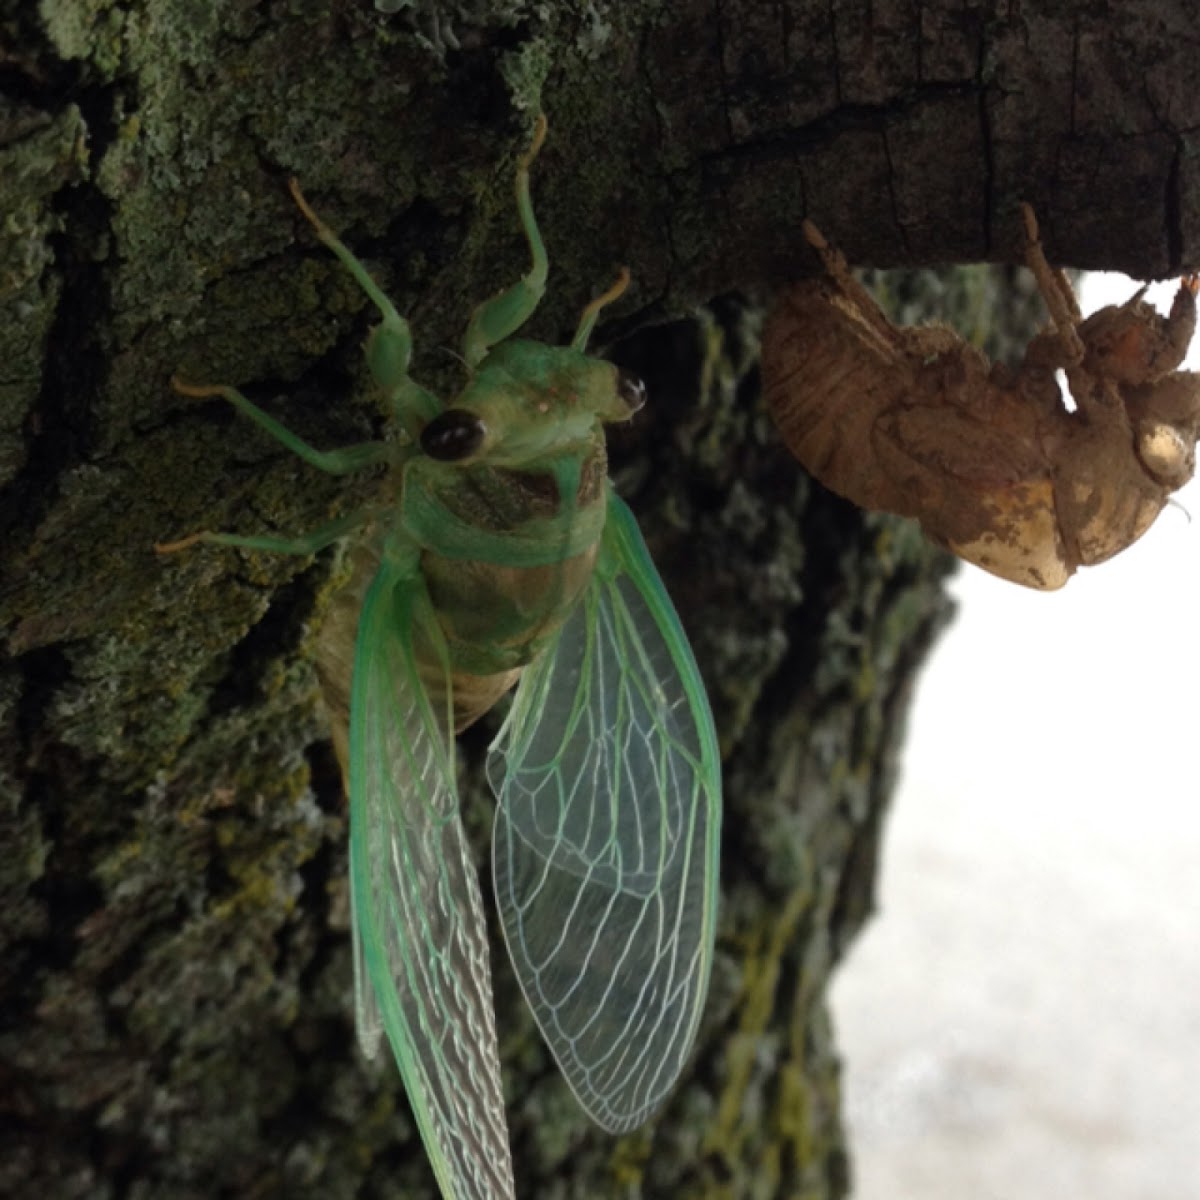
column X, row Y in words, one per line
column 499, row 551
column 916, row 421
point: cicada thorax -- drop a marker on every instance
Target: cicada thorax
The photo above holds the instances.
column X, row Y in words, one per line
column 527, row 546
column 494, row 617
column 497, row 616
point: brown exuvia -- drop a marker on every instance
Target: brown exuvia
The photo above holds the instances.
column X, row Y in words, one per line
column 915, row 421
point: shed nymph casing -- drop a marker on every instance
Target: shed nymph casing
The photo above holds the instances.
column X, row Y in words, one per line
column 916, row 421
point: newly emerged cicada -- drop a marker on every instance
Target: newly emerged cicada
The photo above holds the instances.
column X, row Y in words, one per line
column 499, row 550
column 917, row 422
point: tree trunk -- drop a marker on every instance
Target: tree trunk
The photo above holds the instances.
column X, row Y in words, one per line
column 176, row 973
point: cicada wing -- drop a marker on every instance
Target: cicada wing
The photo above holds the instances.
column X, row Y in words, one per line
column 368, row 1020
column 421, row 955
column 606, row 841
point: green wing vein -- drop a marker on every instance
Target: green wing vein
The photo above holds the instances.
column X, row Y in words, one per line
column 421, row 955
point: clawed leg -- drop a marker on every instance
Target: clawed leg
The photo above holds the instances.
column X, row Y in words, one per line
column 834, row 262
column 1181, row 324
column 587, row 319
column 332, row 462
column 1135, row 344
column 389, row 348
column 503, row 315
column 1056, row 289
column 306, row 543
column 388, row 352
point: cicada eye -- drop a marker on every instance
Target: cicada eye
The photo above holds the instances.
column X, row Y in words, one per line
column 453, row 435
column 631, row 389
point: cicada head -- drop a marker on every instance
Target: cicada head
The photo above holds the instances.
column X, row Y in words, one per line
column 1165, row 416
column 1167, row 455
column 528, row 401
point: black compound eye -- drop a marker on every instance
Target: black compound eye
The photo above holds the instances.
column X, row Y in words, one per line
column 631, row 389
column 453, row 435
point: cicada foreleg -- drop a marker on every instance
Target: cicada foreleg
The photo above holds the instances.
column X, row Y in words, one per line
column 1052, row 282
column 503, row 315
column 873, row 317
column 303, row 544
column 1059, row 297
column 389, row 347
column 333, row 462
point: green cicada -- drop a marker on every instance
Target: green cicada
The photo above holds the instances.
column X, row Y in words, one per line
column 499, row 549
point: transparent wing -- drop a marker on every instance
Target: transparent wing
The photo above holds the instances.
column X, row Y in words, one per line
column 421, row 957
column 606, row 839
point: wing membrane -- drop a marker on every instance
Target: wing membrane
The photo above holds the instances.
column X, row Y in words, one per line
column 421, row 957
column 606, row 838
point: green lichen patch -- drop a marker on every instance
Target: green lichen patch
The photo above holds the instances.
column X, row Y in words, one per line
column 40, row 155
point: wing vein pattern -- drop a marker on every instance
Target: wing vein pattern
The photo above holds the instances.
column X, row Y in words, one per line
column 421, row 957
column 606, row 839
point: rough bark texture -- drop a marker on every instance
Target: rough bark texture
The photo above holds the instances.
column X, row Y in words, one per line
column 174, row 966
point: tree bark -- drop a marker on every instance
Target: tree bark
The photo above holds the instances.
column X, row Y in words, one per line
column 174, row 961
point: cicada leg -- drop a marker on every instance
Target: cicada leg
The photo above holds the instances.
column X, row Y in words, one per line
column 305, row 543
column 836, row 267
column 1056, row 289
column 332, row 462
column 389, row 347
column 503, row 315
column 587, row 318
